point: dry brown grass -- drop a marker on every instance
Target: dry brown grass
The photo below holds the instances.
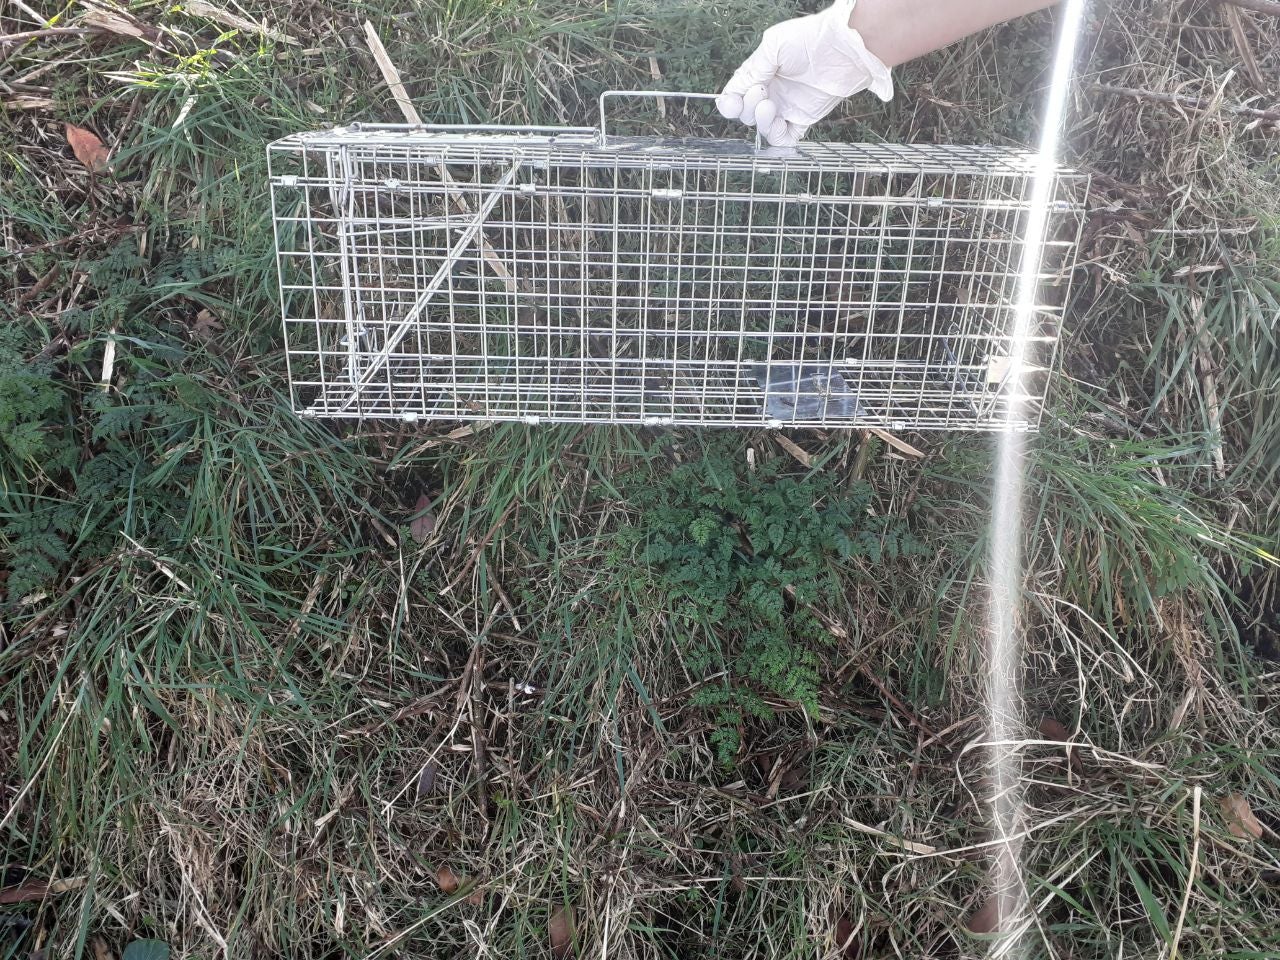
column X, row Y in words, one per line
column 224, row 728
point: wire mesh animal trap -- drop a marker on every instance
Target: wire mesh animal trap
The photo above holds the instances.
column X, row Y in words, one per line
column 552, row 274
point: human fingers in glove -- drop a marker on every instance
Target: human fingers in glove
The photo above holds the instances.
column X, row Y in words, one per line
column 804, row 67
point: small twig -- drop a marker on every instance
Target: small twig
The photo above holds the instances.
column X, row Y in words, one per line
column 46, row 32
column 38, row 890
column 37, row 17
column 1191, row 873
column 1204, row 361
column 834, row 628
column 951, row 728
column 1257, row 6
column 54, row 348
column 802, row 456
column 28, row 101
column 1189, row 103
column 30, row 77
column 108, row 360
column 656, row 74
column 392, row 77
column 140, row 551
column 479, row 740
column 41, row 285
column 390, row 74
column 923, row 849
column 1084, row 814
column 461, row 700
column 503, row 598
column 897, row 443
column 199, row 8
column 97, row 233
column 420, row 706
column 323, row 823
column 469, row 671
column 118, row 23
column 479, row 548
column 898, row 705
column 11, row 43
column 1236, row 22
column 313, row 594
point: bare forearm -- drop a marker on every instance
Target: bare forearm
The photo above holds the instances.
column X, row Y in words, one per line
column 900, row 30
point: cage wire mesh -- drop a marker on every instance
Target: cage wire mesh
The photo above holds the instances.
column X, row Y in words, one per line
column 568, row 275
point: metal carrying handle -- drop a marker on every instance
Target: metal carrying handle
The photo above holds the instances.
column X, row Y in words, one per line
column 653, row 95
column 545, row 128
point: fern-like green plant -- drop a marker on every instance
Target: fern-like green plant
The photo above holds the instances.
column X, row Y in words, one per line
column 29, row 398
column 35, row 533
column 743, row 558
column 66, row 492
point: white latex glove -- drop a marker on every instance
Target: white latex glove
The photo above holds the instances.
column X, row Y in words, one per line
column 800, row 71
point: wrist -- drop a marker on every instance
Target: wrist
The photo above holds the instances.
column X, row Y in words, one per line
column 901, row 30
column 853, row 43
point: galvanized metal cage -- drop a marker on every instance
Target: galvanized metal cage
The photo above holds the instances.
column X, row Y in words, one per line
column 569, row 275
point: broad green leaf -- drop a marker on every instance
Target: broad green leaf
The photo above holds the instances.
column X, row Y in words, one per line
column 146, row 950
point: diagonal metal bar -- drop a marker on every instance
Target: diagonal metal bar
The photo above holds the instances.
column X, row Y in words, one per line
column 433, row 285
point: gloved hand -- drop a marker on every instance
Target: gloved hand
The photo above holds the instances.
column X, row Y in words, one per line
column 800, row 71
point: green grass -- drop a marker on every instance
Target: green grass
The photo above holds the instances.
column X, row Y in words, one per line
column 227, row 662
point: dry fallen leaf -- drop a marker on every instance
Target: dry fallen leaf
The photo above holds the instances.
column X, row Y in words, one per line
column 27, row 101
column 476, row 897
column 846, row 939
column 68, row 885
column 735, row 875
column 560, row 930
column 447, row 879
column 986, row 919
column 25, row 892
column 100, row 949
column 427, row 779
column 1053, row 729
column 206, row 325
column 424, row 519
column 89, row 150
column 1239, row 816
column 794, row 780
column 30, row 890
column 118, row 23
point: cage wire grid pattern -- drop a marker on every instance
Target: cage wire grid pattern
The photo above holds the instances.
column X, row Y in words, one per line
column 559, row 275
